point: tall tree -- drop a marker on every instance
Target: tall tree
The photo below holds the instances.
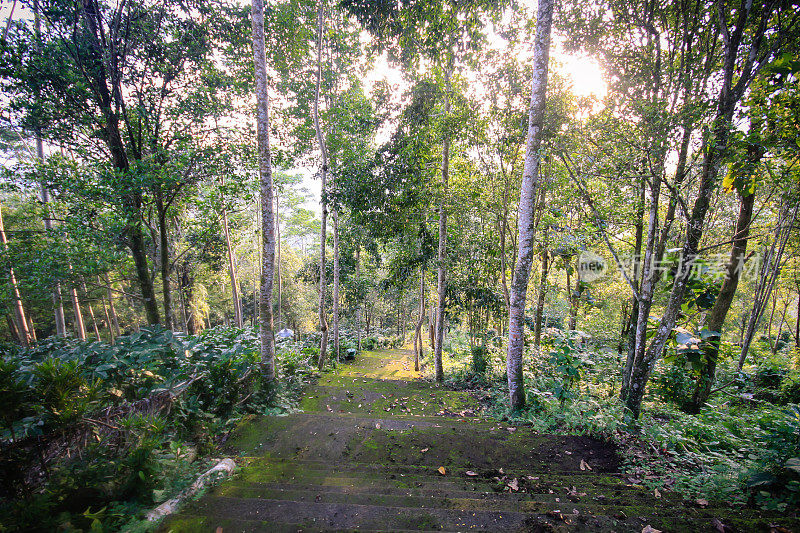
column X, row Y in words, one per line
column 266, row 326
column 527, row 203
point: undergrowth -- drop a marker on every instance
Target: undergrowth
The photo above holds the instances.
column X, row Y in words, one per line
column 95, row 434
column 742, row 448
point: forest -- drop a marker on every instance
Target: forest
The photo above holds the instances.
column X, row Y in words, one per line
column 583, row 214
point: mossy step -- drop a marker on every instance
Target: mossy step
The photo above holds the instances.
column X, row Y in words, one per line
column 427, row 498
column 352, row 516
column 522, row 502
column 279, row 515
column 301, row 467
column 187, row 523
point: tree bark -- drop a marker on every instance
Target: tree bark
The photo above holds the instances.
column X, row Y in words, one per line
column 323, row 323
column 266, row 325
column 80, row 329
column 540, row 298
column 108, row 320
column 442, row 252
column 527, row 204
column 278, row 271
column 420, row 321
column 237, row 303
column 768, row 275
column 716, row 317
column 164, row 263
column 336, row 354
column 91, row 311
column 20, row 318
column 112, row 310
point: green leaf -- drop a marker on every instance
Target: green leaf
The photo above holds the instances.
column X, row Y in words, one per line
column 761, row 479
column 793, row 464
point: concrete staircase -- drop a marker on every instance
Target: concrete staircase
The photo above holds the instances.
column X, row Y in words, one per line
column 377, row 449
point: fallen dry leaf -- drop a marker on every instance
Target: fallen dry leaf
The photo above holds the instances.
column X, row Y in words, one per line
column 701, row 502
column 423, row 450
column 650, row 529
column 470, row 473
column 514, row 485
column 377, row 426
column 442, row 470
column 501, row 471
column 585, row 465
column 656, row 493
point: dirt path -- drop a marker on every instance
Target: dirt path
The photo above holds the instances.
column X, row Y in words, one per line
column 377, row 448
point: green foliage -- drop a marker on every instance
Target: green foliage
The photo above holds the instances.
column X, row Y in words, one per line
column 61, row 384
column 569, row 365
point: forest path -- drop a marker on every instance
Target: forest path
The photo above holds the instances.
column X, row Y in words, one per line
column 376, row 447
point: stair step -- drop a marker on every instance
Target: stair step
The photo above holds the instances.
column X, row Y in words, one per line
column 351, row 516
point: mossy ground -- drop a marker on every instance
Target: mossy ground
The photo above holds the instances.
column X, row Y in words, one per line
column 376, row 447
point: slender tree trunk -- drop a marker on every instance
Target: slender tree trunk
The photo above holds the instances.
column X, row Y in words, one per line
column 432, row 328
column 108, row 320
column 716, row 317
column 137, row 247
column 768, row 276
column 91, row 311
column 182, row 304
column 540, row 299
column 111, row 308
column 278, row 272
column 442, row 253
column 323, row 323
column 164, row 264
column 19, row 309
column 631, row 329
column 359, row 305
column 237, row 303
column 80, row 329
column 266, row 327
column 797, row 326
column 336, row 354
column 420, row 321
column 58, row 305
column 527, row 204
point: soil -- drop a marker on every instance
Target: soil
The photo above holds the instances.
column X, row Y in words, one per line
column 375, row 447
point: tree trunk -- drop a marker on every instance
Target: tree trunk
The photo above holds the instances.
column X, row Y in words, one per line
column 768, row 275
column 20, row 318
column 714, row 147
column 80, row 329
column 266, row 326
column 112, row 310
column 631, row 329
column 164, row 264
column 359, row 305
column 540, row 299
column 237, row 303
column 108, row 320
column 716, row 317
column 336, row 354
column 442, row 252
column 91, row 311
column 278, row 272
column 323, row 323
column 527, row 204
column 420, row 321
column 137, row 247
